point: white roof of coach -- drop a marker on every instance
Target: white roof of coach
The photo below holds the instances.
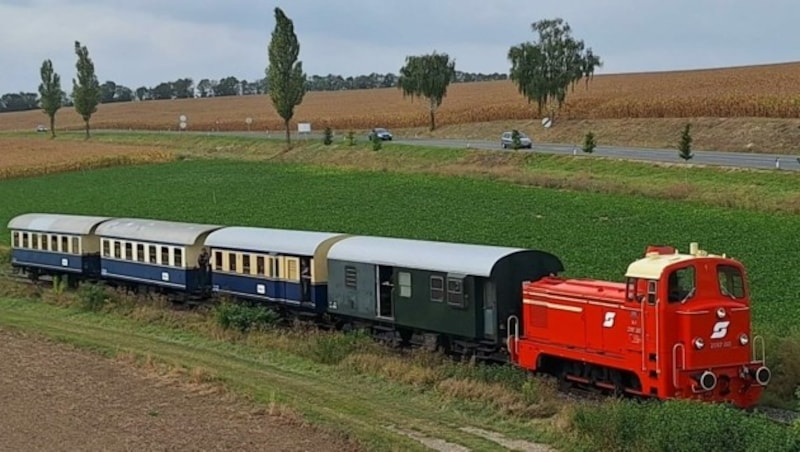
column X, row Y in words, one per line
column 265, row 240
column 157, row 231
column 468, row 259
column 55, row 223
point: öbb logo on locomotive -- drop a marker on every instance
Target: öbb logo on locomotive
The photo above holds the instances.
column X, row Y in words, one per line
column 644, row 336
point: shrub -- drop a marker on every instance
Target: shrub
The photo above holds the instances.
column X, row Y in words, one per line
column 332, row 348
column 589, row 143
column 328, row 138
column 244, row 318
column 377, row 144
column 516, row 142
column 351, row 138
column 92, row 297
column 685, row 144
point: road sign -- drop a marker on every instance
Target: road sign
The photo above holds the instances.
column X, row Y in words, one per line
column 304, row 127
column 547, row 123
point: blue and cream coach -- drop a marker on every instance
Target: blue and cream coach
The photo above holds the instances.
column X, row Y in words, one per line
column 276, row 265
column 161, row 253
column 44, row 243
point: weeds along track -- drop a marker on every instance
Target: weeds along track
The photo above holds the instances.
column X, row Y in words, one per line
column 288, row 379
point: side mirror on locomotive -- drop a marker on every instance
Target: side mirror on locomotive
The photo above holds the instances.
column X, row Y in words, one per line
column 678, row 327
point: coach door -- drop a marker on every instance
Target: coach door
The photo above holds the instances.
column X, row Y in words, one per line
column 489, row 309
column 651, row 359
column 384, row 307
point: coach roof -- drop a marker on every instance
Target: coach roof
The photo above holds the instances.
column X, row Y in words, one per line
column 265, row 240
column 56, row 223
column 468, row 259
column 158, row 231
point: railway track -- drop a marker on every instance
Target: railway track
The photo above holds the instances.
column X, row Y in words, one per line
column 566, row 393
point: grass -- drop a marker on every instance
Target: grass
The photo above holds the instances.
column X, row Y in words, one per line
column 767, row 191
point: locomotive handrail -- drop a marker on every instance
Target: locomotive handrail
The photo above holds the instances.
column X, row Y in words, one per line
column 675, row 362
column 515, row 320
column 756, row 340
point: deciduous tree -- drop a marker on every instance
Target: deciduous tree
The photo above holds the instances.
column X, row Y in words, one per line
column 285, row 72
column 86, row 90
column 51, row 94
column 427, row 76
column 545, row 70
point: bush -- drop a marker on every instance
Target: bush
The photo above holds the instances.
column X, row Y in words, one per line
column 351, row 138
column 685, row 144
column 679, row 425
column 589, row 143
column 244, row 318
column 377, row 144
column 328, row 138
column 332, row 348
column 92, row 297
column 516, row 142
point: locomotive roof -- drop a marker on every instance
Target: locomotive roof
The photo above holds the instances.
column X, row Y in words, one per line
column 265, row 240
column 476, row 260
column 651, row 267
column 55, row 223
column 158, row 231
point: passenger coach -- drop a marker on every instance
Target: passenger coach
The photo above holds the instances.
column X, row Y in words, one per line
column 52, row 244
column 166, row 254
column 276, row 265
column 462, row 290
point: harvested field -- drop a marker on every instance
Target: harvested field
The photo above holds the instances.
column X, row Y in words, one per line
column 57, row 398
column 752, row 91
column 27, row 157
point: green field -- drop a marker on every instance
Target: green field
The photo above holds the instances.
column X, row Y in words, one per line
column 596, row 235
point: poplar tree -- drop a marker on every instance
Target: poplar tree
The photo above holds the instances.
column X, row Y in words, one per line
column 86, row 90
column 285, row 73
column 51, row 94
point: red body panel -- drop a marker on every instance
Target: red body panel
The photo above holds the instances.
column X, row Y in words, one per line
column 617, row 335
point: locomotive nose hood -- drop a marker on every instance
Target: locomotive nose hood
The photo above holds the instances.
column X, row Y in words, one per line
column 716, row 334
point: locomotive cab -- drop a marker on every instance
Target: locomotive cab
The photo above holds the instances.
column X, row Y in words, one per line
column 697, row 326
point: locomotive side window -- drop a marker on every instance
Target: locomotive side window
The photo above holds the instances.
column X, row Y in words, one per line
column 437, row 288
column 731, row 281
column 682, row 284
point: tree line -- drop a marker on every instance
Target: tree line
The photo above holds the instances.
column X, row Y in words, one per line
column 543, row 72
column 184, row 88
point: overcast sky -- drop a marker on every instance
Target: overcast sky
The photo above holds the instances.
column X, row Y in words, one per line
column 144, row 42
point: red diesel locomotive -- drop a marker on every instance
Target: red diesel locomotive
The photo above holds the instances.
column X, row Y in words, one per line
column 679, row 327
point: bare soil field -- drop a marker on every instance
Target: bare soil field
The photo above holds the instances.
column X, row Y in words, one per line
column 54, row 397
column 26, row 156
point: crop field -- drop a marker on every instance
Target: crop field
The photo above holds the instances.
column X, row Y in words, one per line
column 768, row 91
column 25, row 157
column 597, row 235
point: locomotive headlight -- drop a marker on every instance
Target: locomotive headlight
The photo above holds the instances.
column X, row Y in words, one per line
column 699, row 343
column 721, row 313
column 743, row 339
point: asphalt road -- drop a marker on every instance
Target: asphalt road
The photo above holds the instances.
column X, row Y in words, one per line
column 718, row 158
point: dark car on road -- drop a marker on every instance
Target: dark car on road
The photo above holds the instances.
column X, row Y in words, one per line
column 507, row 140
column 381, row 133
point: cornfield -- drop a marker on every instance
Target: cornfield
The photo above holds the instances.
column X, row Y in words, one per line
column 25, row 157
column 770, row 91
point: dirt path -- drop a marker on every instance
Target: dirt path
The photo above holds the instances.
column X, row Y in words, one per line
column 53, row 397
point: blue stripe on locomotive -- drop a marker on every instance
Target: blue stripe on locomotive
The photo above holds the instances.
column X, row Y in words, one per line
column 172, row 277
column 87, row 264
column 278, row 291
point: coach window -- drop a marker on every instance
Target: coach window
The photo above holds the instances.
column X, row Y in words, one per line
column 232, row 262
column 15, row 237
column 681, row 285
column 178, row 257
column 152, row 254
column 34, row 240
column 455, row 292
column 24, row 239
column 128, row 251
column 437, row 288
column 54, row 243
column 260, row 265
column 246, row 264
column 117, row 249
column 164, row 255
column 731, row 281
column 106, row 248
column 76, row 245
column 140, row 252
column 218, row 260
column 64, row 244
column 404, row 279
column 45, row 242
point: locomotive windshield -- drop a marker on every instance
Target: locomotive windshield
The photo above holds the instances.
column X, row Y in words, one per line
column 682, row 285
column 731, row 281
